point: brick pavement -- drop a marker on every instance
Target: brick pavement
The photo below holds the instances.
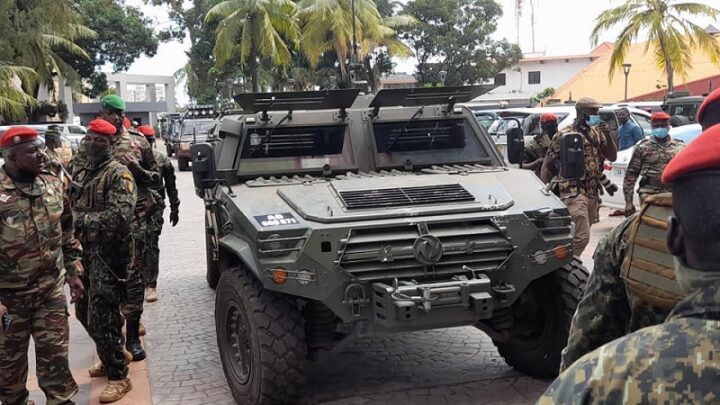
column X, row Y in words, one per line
column 458, row 365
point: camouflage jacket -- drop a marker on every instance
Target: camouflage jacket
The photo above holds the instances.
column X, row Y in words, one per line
column 649, row 160
column 536, row 148
column 36, row 233
column 106, row 204
column 147, row 180
column 673, row 363
column 168, row 184
column 607, row 311
column 593, row 143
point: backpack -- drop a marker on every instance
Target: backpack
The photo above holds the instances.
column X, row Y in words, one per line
column 648, row 268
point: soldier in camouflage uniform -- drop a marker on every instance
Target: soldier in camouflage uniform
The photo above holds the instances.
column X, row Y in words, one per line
column 648, row 160
column 598, row 146
column 38, row 254
column 133, row 150
column 607, row 310
column 152, row 254
column 679, row 360
column 536, row 149
column 105, row 208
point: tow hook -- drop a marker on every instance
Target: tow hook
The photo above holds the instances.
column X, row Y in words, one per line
column 355, row 298
column 502, row 290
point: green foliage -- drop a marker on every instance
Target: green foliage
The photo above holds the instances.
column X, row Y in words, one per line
column 124, row 33
column 454, row 36
column 547, row 92
column 672, row 37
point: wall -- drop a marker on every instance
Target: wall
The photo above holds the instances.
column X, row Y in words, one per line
column 553, row 74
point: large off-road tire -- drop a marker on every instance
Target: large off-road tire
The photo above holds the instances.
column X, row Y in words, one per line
column 261, row 337
column 212, row 272
column 541, row 320
column 183, row 164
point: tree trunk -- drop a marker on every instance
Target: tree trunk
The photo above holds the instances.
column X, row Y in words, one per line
column 373, row 75
column 670, row 75
column 255, row 79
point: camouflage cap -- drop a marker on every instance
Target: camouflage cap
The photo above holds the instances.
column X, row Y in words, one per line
column 588, row 102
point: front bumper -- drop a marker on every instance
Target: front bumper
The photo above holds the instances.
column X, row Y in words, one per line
column 413, row 306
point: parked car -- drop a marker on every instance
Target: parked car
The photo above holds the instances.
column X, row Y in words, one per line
column 683, row 107
column 649, row 106
column 70, row 132
column 528, row 119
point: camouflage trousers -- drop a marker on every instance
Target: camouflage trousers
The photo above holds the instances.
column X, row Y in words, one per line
column 99, row 313
column 39, row 311
column 132, row 307
column 152, row 250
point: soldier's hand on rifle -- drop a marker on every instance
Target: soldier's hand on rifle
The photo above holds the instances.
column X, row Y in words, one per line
column 77, row 289
column 131, row 163
column 174, row 216
column 629, row 208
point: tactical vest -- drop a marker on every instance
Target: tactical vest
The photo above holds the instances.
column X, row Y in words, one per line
column 93, row 198
column 648, row 268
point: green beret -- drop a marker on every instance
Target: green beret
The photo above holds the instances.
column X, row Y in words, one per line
column 113, row 102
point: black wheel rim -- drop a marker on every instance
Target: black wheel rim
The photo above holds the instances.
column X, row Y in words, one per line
column 533, row 317
column 238, row 352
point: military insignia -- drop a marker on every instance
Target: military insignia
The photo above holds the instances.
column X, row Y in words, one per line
column 4, row 198
column 129, row 181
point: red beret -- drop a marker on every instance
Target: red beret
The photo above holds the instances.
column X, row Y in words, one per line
column 547, row 117
column 102, row 127
column 702, row 154
column 713, row 97
column 660, row 116
column 146, row 130
column 126, row 122
column 17, row 135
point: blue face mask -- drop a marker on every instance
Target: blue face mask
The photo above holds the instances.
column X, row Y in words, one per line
column 593, row 120
column 660, row 133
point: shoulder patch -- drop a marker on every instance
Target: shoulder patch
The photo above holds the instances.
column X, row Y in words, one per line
column 129, row 181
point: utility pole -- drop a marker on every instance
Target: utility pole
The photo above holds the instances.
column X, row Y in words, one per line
column 532, row 23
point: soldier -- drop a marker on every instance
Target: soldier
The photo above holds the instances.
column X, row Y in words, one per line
column 677, row 361
column 599, row 146
column 609, row 309
column 708, row 113
column 38, row 255
column 536, row 149
column 648, row 160
column 152, row 254
column 105, row 208
column 133, row 150
column 56, row 148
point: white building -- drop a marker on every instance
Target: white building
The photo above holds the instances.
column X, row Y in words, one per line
column 533, row 74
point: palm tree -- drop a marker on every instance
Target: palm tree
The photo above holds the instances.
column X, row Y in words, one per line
column 12, row 99
column 327, row 26
column 671, row 36
column 253, row 30
column 44, row 32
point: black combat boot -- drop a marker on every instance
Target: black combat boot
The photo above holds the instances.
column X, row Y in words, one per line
column 133, row 340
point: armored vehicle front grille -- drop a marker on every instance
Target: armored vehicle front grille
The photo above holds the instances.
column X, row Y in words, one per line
column 405, row 196
column 387, row 253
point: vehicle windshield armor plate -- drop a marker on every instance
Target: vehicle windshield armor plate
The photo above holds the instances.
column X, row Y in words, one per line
column 332, row 214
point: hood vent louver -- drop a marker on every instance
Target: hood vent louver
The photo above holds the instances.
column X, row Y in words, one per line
column 405, row 196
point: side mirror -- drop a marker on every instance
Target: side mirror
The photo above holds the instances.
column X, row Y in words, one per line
column 515, row 145
column 572, row 156
column 203, row 166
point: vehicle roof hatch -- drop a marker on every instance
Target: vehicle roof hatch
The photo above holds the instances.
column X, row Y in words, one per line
column 422, row 96
column 297, row 100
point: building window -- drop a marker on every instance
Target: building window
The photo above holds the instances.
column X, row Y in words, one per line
column 500, row 79
column 533, row 77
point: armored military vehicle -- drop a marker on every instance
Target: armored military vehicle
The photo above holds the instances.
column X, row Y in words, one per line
column 196, row 126
column 333, row 214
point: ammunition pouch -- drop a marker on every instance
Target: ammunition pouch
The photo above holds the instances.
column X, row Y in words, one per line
column 648, row 268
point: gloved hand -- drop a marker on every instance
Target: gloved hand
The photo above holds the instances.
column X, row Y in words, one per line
column 174, row 218
column 612, row 189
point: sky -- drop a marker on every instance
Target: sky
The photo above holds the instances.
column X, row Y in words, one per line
column 562, row 27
